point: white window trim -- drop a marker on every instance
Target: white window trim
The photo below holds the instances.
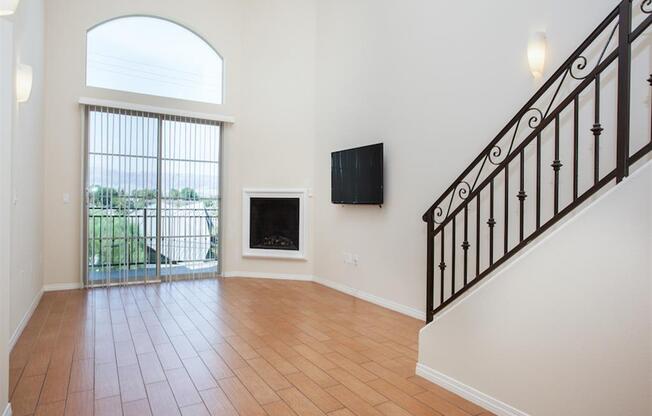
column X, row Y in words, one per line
column 122, row 105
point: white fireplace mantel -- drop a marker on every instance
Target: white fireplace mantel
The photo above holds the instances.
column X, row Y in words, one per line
column 247, row 251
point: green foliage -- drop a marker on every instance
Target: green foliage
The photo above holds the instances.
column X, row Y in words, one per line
column 104, row 197
column 185, row 194
column 189, row 194
column 146, row 194
column 114, row 239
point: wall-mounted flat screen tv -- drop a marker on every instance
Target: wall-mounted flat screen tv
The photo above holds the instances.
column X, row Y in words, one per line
column 357, row 175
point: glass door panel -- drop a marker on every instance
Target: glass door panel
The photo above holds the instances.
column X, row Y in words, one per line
column 189, row 198
column 131, row 183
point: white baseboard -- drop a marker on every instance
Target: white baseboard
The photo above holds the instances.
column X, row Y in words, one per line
column 61, row 286
column 275, row 276
column 7, row 411
column 385, row 303
column 24, row 320
column 32, row 307
column 469, row 393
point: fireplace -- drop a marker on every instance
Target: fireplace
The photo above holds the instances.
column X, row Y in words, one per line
column 273, row 223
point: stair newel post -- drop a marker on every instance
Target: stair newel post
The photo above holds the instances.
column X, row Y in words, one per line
column 430, row 284
column 624, row 88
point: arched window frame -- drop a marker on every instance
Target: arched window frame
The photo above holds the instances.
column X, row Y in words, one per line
column 222, row 80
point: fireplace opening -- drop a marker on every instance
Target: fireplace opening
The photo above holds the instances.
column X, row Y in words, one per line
column 274, row 223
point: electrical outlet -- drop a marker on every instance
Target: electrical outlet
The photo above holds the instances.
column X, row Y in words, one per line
column 350, row 258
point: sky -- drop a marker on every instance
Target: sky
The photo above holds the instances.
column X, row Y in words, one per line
column 153, row 56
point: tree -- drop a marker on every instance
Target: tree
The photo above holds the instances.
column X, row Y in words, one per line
column 104, row 197
column 146, row 194
column 189, row 194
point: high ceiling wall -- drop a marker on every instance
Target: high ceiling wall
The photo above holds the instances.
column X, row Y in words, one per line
column 268, row 51
column 434, row 81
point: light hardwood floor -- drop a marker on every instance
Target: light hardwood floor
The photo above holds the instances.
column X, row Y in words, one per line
column 221, row 347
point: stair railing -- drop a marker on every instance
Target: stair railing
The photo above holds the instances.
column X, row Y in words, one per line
column 457, row 218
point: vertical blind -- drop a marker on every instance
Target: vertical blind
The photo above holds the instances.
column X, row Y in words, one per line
column 152, row 197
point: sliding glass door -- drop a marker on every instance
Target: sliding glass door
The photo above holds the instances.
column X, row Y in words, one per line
column 152, row 197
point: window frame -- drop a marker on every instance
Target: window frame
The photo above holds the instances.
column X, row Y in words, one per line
column 222, row 97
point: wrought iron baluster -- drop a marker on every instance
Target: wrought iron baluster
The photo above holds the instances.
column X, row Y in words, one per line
column 487, row 167
column 649, row 80
column 453, row 259
column 465, row 244
column 430, row 283
column 442, row 266
column 506, row 239
column 556, row 165
column 477, row 237
column 538, row 215
column 521, row 197
column 597, row 131
column 576, row 141
column 491, row 223
column 624, row 88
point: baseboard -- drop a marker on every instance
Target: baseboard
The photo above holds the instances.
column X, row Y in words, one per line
column 28, row 314
column 275, row 276
column 377, row 300
column 7, row 411
column 54, row 287
column 469, row 393
column 385, row 303
column 23, row 323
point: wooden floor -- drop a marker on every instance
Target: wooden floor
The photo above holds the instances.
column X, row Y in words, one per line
column 221, row 347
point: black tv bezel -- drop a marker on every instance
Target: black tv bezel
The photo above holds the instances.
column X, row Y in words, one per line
column 382, row 175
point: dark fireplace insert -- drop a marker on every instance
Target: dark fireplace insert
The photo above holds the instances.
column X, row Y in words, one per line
column 274, row 223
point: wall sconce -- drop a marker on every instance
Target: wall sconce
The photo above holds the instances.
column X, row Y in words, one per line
column 8, row 7
column 536, row 53
column 24, row 77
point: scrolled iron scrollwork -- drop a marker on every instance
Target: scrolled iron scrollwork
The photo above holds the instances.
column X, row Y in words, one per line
column 494, row 154
column 582, row 66
column 534, row 118
column 579, row 64
column 462, row 190
column 646, row 6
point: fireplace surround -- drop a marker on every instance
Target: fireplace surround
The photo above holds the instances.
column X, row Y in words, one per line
column 273, row 223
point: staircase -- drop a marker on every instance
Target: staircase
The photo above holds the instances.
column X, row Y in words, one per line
column 557, row 152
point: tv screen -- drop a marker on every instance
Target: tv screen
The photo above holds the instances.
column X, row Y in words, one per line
column 357, row 175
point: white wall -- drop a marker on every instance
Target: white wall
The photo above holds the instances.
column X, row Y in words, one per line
column 435, row 81
column 276, row 120
column 569, row 336
column 6, row 111
column 27, row 166
column 269, row 69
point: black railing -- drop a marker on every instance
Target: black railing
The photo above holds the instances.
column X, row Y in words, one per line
column 518, row 152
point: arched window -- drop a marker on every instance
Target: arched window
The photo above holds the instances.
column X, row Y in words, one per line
column 149, row 55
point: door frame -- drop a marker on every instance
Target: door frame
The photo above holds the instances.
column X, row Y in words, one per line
column 169, row 114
